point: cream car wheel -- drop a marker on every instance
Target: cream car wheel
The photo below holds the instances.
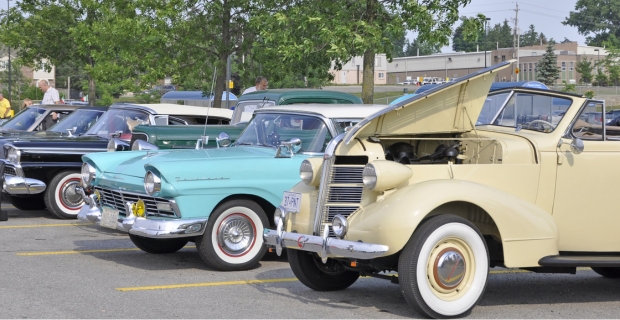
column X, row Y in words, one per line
column 61, row 197
column 443, row 269
column 233, row 237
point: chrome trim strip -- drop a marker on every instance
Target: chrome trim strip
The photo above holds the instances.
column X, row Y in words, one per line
column 330, row 247
column 353, row 131
column 166, row 229
column 62, row 150
column 328, row 162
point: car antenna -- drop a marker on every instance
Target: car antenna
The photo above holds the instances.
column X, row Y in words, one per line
column 204, row 139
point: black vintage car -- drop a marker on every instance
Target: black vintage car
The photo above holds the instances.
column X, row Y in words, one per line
column 43, row 172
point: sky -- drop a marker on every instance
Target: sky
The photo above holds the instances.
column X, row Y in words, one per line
column 545, row 15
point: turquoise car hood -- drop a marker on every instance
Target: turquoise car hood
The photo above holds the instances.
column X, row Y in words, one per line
column 184, row 164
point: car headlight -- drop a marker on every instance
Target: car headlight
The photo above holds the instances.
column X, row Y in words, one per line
column 310, row 171
column 117, row 145
column 382, row 175
column 340, row 226
column 152, row 183
column 142, row 145
column 88, row 174
column 13, row 155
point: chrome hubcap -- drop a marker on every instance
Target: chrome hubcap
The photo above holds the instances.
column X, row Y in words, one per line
column 449, row 268
column 70, row 197
column 236, row 235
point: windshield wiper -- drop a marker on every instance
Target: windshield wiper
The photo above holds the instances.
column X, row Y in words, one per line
column 243, row 143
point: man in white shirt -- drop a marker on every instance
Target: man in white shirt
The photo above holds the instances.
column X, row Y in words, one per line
column 260, row 84
column 51, row 95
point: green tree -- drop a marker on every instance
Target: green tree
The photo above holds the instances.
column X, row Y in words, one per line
column 614, row 74
column 465, row 37
column 530, row 37
column 460, row 38
column 423, row 48
column 106, row 38
column 601, row 78
column 548, row 70
column 344, row 29
column 585, row 67
column 595, row 19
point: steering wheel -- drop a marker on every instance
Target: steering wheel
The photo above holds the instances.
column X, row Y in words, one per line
column 274, row 138
column 529, row 126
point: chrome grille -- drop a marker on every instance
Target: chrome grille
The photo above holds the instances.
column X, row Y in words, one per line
column 10, row 171
column 343, row 193
column 347, row 174
column 117, row 199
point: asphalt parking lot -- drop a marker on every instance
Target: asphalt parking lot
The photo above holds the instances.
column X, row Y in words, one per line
column 52, row 268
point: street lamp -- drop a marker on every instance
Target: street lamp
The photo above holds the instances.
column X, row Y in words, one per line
column 598, row 59
column 485, row 41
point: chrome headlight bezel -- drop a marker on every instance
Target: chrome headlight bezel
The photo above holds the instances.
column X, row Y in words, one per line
column 88, row 174
column 117, row 145
column 340, row 226
column 305, row 172
column 369, row 176
column 140, row 145
column 152, row 183
column 13, row 155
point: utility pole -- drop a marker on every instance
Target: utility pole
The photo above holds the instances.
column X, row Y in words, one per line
column 8, row 11
column 517, row 37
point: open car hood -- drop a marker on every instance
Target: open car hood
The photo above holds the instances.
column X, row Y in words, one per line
column 452, row 107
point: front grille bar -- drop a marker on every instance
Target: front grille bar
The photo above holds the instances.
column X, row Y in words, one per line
column 116, row 199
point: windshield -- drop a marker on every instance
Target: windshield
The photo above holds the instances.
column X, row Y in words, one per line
column 245, row 109
column 24, row 119
column 271, row 129
column 530, row 111
column 118, row 121
column 78, row 122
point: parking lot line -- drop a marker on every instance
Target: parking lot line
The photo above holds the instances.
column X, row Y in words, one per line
column 47, row 253
column 206, row 284
column 45, row 225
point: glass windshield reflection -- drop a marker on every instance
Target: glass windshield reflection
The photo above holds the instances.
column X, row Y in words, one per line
column 24, row 119
column 270, row 130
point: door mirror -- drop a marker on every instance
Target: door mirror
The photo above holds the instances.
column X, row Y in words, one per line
column 223, row 140
column 577, row 146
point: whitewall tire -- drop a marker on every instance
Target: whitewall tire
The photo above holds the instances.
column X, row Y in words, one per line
column 233, row 239
column 444, row 267
column 61, row 197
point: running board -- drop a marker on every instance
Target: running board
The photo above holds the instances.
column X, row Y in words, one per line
column 580, row 261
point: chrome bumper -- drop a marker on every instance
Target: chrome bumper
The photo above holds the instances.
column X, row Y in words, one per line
column 324, row 246
column 19, row 185
column 150, row 228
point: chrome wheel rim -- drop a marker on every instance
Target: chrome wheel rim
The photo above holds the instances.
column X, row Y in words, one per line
column 69, row 197
column 450, row 269
column 236, row 235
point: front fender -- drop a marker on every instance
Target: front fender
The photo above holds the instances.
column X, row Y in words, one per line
column 528, row 233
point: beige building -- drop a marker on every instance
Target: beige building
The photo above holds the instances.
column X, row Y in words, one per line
column 458, row 64
column 35, row 74
column 352, row 71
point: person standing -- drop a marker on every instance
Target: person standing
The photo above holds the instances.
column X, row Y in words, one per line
column 261, row 83
column 5, row 107
column 51, row 95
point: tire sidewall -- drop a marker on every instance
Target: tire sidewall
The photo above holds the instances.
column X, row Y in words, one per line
column 475, row 291
column 209, row 245
column 52, row 196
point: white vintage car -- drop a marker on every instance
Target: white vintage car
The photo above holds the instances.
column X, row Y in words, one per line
column 419, row 190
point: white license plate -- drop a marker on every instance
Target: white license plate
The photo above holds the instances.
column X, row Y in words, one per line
column 109, row 217
column 291, row 201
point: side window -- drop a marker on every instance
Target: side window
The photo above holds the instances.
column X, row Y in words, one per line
column 589, row 124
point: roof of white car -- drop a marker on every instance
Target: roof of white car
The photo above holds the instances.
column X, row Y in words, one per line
column 179, row 109
column 335, row 111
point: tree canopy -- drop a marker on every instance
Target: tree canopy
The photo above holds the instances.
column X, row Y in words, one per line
column 596, row 20
column 548, row 70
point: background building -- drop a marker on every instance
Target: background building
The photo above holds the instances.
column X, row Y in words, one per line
column 352, row 71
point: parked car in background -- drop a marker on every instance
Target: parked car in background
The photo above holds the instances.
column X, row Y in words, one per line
column 167, row 137
column 221, row 199
column 35, row 118
column 43, row 172
column 418, row 189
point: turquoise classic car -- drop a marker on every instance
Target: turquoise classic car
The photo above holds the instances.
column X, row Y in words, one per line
column 171, row 137
column 222, row 198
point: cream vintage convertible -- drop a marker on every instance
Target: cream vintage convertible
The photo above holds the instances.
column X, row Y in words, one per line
column 433, row 191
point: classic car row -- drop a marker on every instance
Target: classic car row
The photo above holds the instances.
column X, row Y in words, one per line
column 42, row 168
column 428, row 192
